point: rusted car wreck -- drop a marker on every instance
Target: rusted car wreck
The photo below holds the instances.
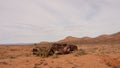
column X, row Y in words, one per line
column 55, row 48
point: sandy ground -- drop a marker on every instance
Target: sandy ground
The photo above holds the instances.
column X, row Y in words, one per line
column 97, row 56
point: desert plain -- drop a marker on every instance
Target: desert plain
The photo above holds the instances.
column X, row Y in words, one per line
column 105, row 54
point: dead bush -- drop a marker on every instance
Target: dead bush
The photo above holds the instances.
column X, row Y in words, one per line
column 80, row 52
column 43, row 51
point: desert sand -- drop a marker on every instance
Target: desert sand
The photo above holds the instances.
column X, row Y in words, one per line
column 97, row 56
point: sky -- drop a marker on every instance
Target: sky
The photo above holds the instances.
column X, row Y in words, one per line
column 30, row 21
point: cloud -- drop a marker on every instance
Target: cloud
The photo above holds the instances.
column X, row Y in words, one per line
column 27, row 21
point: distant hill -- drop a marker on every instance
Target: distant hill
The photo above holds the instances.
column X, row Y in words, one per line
column 102, row 39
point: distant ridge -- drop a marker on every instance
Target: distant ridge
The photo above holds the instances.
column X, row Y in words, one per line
column 102, row 39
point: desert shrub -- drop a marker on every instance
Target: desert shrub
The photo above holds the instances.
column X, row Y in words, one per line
column 80, row 52
column 44, row 51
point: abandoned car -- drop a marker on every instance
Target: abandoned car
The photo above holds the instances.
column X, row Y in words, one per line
column 55, row 48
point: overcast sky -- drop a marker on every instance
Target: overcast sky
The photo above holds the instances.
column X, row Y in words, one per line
column 27, row 21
